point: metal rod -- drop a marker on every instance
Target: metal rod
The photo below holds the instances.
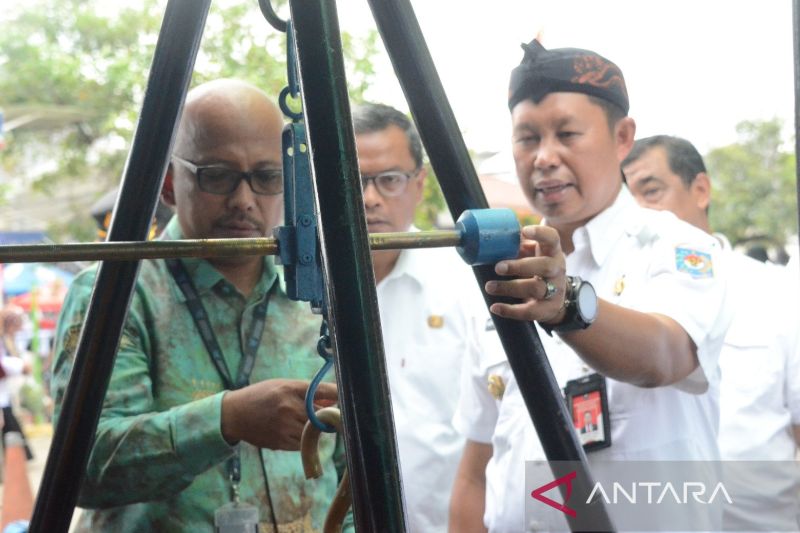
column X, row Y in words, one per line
column 360, row 363
column 133, row 250
column 170, row 74
column 450, row 159
column 415, row 239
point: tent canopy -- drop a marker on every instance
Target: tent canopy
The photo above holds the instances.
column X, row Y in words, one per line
column 20, row 278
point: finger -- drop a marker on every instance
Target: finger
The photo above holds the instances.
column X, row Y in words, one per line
column 528, row 248
column 296, row 387
column 300, row 389
column 547, row 237
column 545, row 267
column 319, row 404
column 522, row 311
column 291, row 444
column 292, row 434
column 526, row 288
column 326, row 392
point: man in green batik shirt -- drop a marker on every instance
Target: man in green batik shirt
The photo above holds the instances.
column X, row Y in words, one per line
column 174, row 415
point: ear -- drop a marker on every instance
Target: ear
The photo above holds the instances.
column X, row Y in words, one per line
column 701, row 190
column 624, row 134
column 168, row 189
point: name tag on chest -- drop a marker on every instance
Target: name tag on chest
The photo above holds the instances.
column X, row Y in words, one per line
column 236, row 518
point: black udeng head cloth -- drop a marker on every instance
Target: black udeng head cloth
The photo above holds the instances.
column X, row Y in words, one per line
column 543, row 71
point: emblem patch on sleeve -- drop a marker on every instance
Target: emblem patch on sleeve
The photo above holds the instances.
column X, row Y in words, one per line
column 694, row 262
column 497, row 386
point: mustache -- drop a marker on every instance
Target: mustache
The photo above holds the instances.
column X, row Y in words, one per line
column 238, row 219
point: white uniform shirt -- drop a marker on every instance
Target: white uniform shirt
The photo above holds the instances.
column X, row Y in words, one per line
column 760, row 394
column 431, row 310
column 634, row 248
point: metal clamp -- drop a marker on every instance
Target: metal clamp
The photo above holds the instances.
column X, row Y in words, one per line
column 297, row 240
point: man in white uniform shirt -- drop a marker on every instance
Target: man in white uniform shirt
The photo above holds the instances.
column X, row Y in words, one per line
column 653, row 331
column 431, row 314
column 760, row 361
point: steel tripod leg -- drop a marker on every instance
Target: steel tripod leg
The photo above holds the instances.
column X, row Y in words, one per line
column 170, row 74
column 361, row 368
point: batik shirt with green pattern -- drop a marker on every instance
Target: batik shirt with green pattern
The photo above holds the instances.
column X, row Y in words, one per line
column 160, row 462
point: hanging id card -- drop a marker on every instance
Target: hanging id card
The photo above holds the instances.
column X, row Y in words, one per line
column 588, row 404
column 236, row 518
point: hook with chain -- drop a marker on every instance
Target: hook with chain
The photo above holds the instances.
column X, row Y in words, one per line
column 326, row 352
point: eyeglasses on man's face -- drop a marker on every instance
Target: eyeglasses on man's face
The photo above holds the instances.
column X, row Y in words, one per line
column 390, row 183
column 216, row 179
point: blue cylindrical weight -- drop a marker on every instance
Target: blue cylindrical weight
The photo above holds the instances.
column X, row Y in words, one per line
column 488, row 235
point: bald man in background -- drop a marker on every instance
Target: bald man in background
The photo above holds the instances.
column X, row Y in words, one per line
column 206, row 401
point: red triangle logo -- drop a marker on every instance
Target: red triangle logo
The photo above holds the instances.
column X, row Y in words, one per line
column 537, row 494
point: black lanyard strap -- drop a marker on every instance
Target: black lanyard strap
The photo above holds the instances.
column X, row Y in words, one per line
column 249, row 350
column 200, row 317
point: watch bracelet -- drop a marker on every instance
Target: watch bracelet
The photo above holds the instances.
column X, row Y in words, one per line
column 570, row 304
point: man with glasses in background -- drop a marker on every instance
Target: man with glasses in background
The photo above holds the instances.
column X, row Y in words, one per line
column 206, row 401
column 432, row 316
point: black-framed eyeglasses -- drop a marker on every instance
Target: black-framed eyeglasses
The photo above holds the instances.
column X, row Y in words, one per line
column 390, row 183
column 216, row 179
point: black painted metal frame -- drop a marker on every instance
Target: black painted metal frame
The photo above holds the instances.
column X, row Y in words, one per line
column 170, row 74
column 353, row 306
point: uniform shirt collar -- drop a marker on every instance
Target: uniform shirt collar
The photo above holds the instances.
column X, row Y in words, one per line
column 601, row 233
column 206, row 277
column 408, row 264
column 723, row 241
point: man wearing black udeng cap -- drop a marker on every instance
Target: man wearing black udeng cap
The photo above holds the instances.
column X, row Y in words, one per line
column 628, row 301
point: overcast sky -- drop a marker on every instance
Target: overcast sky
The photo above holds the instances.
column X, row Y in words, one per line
column 694, row 68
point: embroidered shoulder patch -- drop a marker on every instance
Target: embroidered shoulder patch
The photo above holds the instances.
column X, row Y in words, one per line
column 497, row 386
column 694, row 262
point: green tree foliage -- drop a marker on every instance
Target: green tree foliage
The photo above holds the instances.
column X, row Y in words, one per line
column 93, row 56
column 427, row 214
column 753, row 197
column 65, row 54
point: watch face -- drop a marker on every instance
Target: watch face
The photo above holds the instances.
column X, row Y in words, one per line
column 587, row 302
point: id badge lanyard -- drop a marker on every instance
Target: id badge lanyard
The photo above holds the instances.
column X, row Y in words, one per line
column 587, row 401
column 249, row 350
